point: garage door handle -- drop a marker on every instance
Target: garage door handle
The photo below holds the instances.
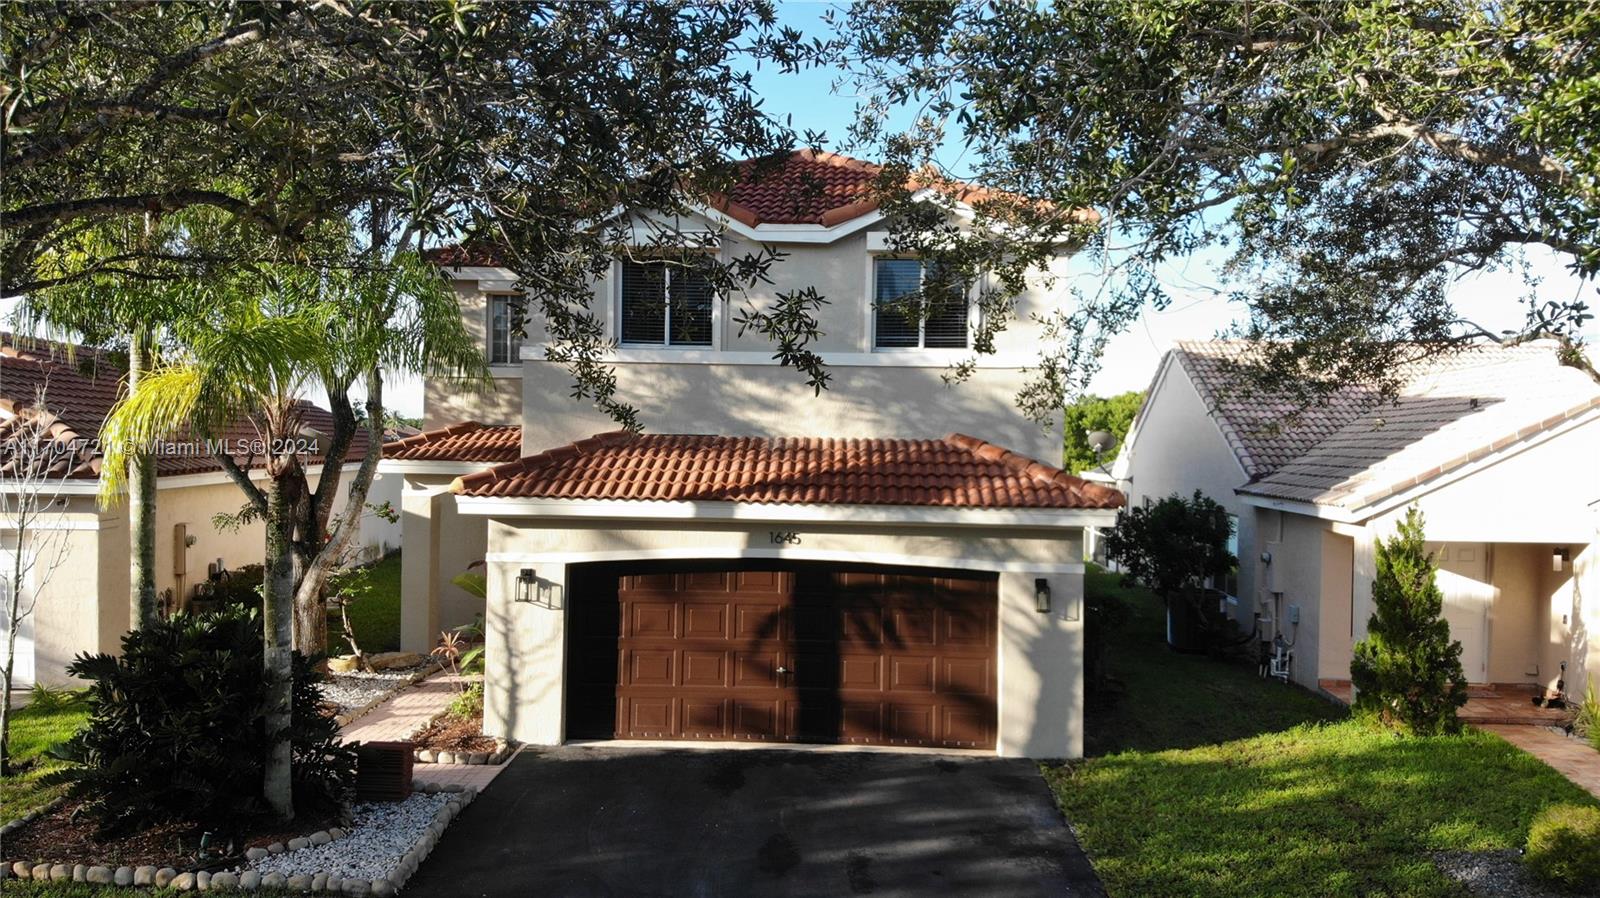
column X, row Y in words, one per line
column 783, row 670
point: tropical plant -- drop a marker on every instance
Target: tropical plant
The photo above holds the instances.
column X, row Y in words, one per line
column 1564, row 846
column 177, row 721
column 1587, row 721
column 1407, row 671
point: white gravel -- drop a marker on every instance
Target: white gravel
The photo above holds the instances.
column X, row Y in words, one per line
column 383, row 832
column 355, row 690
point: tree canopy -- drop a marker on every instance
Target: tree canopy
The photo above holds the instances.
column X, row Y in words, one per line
column 1113, row 414
column 1352, row 160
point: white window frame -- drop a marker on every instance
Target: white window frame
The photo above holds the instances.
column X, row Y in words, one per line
column 922, row 323
column 513, row 351
column 616, row 316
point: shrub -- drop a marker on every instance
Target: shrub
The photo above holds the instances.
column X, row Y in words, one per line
column 1564, row 846
column 240, row 588
column 1587, row 723
column 469, row 703
column 1408, row 670
column 176, row 729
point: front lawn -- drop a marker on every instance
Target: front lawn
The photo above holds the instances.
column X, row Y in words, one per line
column 34, row 729
column 375, row 616
column 1225, row 785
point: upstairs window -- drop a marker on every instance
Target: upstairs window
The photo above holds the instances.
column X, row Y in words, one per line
column 912, row 311
column 505, row 338
column 665, row 305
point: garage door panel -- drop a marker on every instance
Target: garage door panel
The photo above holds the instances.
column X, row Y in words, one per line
column 705, row 621
column 652, row 620
column 755, row 670
column 705, row 668
column 871, row 656
column 650, row 667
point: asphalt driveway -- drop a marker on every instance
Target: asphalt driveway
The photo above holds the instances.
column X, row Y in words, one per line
column 608, row 821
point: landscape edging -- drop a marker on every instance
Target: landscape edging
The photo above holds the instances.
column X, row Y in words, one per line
column 249, row 880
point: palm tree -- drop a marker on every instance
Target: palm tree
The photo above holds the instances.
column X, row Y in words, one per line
column 265, row 335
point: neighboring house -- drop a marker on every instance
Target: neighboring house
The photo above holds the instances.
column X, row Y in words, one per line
column 761, row 564
column 1499, row 447
column 83, row 606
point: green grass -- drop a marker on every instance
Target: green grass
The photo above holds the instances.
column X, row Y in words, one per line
column 375, row 616
column 32, row 731
column 1223, row 785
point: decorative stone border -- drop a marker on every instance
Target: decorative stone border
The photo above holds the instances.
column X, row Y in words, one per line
column 249, row 880
column 11, row 826
column 502, row 750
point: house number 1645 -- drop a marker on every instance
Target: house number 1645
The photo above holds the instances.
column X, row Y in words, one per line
column 784, row 537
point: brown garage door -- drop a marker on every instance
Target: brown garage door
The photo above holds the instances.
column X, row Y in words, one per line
column 798, row 653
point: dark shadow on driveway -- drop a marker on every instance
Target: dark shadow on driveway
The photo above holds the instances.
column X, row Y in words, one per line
column 606, row 821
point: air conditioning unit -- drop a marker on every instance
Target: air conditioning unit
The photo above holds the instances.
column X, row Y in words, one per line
column 383, row 771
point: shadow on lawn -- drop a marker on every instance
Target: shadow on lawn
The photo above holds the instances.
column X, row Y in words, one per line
column 1182, row 701
column 1328, row 810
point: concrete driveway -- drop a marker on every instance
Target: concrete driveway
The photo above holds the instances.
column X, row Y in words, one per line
column 611, row 821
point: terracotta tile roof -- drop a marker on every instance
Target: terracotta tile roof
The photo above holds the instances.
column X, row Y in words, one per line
column 806, row 187
column 1264, row 431
column 958, row 471
column 467, row 441
column 82, row 384
column 1451, row 411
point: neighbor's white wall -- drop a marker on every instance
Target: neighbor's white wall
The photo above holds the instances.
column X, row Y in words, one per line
column 1177, row 448
column 1040, row 690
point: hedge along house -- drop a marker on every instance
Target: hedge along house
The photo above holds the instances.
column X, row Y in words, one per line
column 1499, row 447
column 83, row 605
column 765, row 564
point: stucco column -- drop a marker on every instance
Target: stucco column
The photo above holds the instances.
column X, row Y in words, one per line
column 419, row 567
column 1041, row 667
column 525, row 656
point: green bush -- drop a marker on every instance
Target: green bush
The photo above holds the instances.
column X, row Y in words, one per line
column 1564, row 846
column 241, row 588
column 176, row 730
column 1587, row 723
column 469, row 703
column 1407, row 672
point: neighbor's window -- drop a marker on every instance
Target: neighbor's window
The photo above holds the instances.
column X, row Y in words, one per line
column 665, row 305
column 505, row 343
column 897, row 319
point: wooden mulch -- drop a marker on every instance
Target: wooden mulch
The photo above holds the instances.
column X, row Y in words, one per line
column 63, row 836
column 455, row 733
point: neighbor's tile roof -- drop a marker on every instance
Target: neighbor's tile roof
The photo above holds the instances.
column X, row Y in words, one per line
column 1265, row 432
column 80, row 386
column 958, row 471
column 1450, row 412
column 466, row 441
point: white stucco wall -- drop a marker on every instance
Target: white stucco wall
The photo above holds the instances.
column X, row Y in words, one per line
column 1175, row 447
column 1040, row 655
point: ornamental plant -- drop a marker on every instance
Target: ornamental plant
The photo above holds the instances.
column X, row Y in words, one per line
column 177, row 724
column 1407, row 672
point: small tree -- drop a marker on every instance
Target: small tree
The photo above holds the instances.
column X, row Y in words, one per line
column 32, row 468
column 1408, row 669
column 1173, row 546
column 1114, row 415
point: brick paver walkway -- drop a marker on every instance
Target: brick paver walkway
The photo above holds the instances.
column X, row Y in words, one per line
column 410, row 710
column 1575, row 760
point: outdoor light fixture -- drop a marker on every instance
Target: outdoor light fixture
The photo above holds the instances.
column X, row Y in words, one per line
column 527, row 581
column 1041, row 595
column 1559, row 558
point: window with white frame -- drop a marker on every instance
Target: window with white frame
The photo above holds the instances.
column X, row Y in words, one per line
column 505, row 332
column 910, row 311
column 665, row 305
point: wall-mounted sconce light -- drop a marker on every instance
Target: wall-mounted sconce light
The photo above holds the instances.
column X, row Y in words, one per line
column 1559, row 559
column 1041, row 595
column 527, row 583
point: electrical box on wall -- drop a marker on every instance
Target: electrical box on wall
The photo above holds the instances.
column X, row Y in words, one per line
column 1269, row 570
column 1294, row 614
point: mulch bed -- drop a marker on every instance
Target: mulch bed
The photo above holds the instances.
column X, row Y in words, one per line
column 62, row 836
column 454, row 733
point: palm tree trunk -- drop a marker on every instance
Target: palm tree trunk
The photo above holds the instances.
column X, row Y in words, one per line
column 141, row 504
column 277, row 625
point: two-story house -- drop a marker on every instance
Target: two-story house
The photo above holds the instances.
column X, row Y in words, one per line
column 896, row 561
